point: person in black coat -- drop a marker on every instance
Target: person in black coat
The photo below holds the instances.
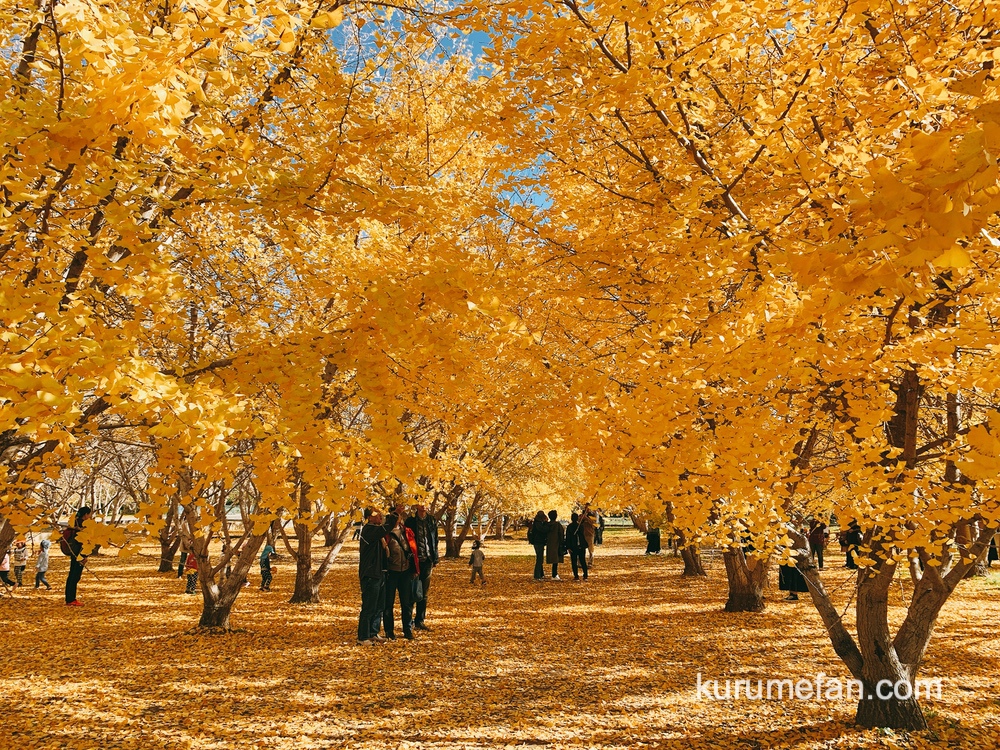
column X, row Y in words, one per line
column 576, row 545
column 854, row 538
column 538, row 534
column 554, row 543
column 77, row 558
column 425, row 532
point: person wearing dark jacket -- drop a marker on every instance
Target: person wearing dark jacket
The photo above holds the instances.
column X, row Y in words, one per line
column 77, row 558
column 371, row 572
column 402, row 569
column 554, row 543
column 577, row 547
column 425, row 534
column 538, row 534
column 853, row 538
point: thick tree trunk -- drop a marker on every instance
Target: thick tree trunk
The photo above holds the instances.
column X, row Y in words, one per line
column 747, row 579
column 692, row 561
column 500, row 528
column 305, row 592
column 168, row 548
column 6, row 536
column 218, row 601
column 893, row 713
column 885, row 676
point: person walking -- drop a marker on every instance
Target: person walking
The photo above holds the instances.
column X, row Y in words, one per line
column 373, row 549
column 538, row 534
column 554, row 544
column 476, row 560
column 73, row 548
column 20, row 560
column 818, row 536
column 425, row 534
column 401, row 571
column 576, row 545
column 266, row 570
column 42, row 564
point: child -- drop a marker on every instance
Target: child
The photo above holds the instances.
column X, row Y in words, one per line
column 476, row 562
column 20, row 560
column 265, row 567
column 191, row 568
column 42, row 564
column 5, row 570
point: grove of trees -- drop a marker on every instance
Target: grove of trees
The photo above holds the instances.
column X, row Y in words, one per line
column 263, row 263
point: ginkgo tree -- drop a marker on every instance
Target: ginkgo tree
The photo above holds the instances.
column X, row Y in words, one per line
column 785, row 216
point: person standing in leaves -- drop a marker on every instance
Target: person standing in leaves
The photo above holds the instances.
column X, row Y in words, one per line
column 538, row 534
column 5, row 570
column 373, row 549
column 853, row 538
column 73, row 548
column 818, row 536
column 589, row 523
column 266, row 572
column 554, row 544
column 425, row 533
column 576, row 545
column 20, row 560
column 476, row 560
column 42, row 564
column 401, row 568
column 191, row 569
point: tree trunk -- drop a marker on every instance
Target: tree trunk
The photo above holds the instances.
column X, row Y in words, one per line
column 691, row 557
column 330, row 532
column 641, row 523
column 500, row 530
column 218, row 601
column 747, row 579
column 883, row 669
column 453, row 548
column 305, row 592
column 6, row 536
column 692, row 562
column 168, row 548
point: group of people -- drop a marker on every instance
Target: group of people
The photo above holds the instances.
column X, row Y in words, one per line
column 17, row 557
column 397, row 554
column 790, row 578
column 552, row 542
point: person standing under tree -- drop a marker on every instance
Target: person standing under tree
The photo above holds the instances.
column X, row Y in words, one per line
column 42, row 564
column 853, row 539
column 425, row 533
column 818, row 536
column 401, row 570
column 191, row 568
column 266, row 571
column 5, row 570
column 20, row 560
column 476, row 562
column 373, row 550
column 73, row 548
column 589, row 523
column 554, row 544
column 538, row 534
column 576, row 545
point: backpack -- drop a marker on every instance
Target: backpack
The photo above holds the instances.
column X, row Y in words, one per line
column 68, row 535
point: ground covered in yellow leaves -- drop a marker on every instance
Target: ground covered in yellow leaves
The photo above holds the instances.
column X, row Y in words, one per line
column 610, row 663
